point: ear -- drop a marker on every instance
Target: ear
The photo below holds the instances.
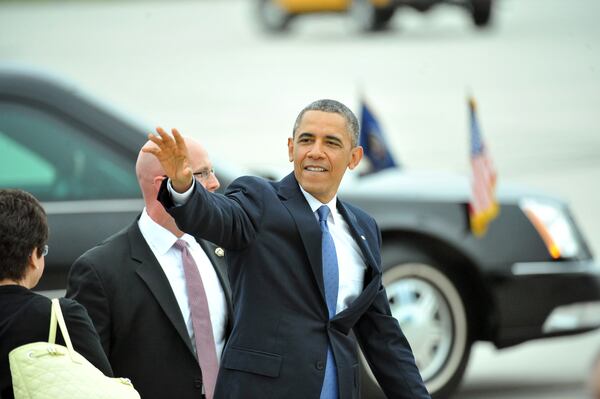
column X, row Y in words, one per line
column 157, row 181
column 33, row 259
column 291, row 149
column 355, row 157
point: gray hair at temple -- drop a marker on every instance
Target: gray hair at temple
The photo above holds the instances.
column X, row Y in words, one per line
column 336, row 107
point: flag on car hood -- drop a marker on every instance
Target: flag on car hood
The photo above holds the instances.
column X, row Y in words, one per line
column 483, row 207
column 371, row 139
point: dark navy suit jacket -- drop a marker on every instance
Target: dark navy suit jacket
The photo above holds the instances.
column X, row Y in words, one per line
column 281, row 330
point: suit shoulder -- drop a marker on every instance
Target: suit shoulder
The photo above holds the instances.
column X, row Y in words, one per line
column 252, row 186
column 250, row 182
column 113, row 247
column 110, row 245
column 359, row 213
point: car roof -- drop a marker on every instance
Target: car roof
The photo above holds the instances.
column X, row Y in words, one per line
column 50, row 91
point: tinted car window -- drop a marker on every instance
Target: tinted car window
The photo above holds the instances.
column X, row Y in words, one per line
column 56, row 159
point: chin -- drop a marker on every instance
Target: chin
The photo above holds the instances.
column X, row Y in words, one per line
column 312, row 189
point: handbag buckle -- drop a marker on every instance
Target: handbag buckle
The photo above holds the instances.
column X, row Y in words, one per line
column 53, row 351
column 125, row 381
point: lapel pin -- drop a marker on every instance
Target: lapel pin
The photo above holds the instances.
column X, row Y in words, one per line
column 363, row 237
column 220, row 252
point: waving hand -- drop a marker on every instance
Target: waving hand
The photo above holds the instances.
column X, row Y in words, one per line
column 172, row 154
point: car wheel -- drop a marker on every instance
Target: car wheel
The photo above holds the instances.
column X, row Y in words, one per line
column 432, row 315
column 368, row 18
column 272, row 16
column 481, row 10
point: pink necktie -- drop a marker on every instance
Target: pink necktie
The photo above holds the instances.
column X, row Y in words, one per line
column 203, row 333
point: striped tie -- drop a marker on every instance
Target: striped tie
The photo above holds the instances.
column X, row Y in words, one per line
column 203, row 333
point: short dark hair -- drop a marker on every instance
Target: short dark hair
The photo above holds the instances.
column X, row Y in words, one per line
column 23, row 227
column 335, row 107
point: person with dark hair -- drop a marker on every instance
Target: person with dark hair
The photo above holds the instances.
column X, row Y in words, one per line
column 25, row 315
column 305, row 269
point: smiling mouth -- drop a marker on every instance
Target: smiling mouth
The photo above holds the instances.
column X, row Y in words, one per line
column 315, row 169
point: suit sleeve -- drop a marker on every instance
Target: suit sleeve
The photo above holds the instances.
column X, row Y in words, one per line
column 85, row 286
column 84, row 337
column 229, row 220
column 387, row 350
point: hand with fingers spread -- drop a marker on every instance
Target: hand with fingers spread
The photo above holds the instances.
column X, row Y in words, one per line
column 172, row 153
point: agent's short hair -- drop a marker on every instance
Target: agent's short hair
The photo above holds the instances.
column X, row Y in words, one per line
column 23, row 227
column 336, row 107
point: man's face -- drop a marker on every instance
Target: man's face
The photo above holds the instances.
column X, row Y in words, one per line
column 321, row 150
column 202, row 168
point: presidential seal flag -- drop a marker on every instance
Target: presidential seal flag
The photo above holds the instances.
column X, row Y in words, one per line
column 373, row 142
column 483, row 207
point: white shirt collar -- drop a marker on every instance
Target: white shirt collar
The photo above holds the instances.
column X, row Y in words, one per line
column 316, row 204
column 160, row 239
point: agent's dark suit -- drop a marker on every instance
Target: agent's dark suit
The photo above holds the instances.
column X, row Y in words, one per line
column 131, row 302
column 278, row 345
column 25, row 318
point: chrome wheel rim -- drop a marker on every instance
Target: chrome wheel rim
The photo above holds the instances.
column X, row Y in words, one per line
column 425, row 319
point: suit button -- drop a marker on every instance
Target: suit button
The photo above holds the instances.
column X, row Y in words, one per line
column 320, row 365
column 198, row 383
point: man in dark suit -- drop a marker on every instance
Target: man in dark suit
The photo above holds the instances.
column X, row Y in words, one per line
column 305, row 269
column 136, row 288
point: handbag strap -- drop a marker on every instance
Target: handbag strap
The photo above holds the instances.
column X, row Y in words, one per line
column 57, row 316
column 52, row 334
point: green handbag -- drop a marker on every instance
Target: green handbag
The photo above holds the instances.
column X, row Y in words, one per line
column 45, row 370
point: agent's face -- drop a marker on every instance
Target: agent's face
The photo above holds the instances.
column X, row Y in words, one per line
column 202, row 168
column 321, row 150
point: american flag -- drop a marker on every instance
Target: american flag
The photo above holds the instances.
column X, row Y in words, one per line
column 483, row 207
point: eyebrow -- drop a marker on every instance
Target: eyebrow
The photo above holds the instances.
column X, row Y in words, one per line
column 305, row 135
column 327, row 137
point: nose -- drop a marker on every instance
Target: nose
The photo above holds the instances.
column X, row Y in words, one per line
column 316, row 150
column 212, row 184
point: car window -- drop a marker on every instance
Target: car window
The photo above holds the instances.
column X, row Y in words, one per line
column 56, row 159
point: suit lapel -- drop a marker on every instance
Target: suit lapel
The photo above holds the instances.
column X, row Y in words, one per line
column 359, row 236
column 152, row 274
column 346, row 319
column 307, row 225
column 220, row 266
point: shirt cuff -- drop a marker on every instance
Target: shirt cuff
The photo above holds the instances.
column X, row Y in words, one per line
column 180, row 198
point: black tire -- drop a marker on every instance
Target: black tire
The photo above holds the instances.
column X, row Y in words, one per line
column 409, row 267
column 272, row 17
column 481, row 11
column 368, row 18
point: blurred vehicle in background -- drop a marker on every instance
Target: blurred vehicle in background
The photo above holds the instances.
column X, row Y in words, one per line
column 531, row 276
column 367, row 15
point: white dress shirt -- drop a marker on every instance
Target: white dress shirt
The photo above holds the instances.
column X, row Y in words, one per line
column 161, row 243
column 351, row 262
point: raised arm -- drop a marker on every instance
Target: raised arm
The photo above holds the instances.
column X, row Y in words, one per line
column 227, row 220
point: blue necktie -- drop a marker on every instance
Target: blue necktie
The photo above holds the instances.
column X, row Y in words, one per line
column 331, row 280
